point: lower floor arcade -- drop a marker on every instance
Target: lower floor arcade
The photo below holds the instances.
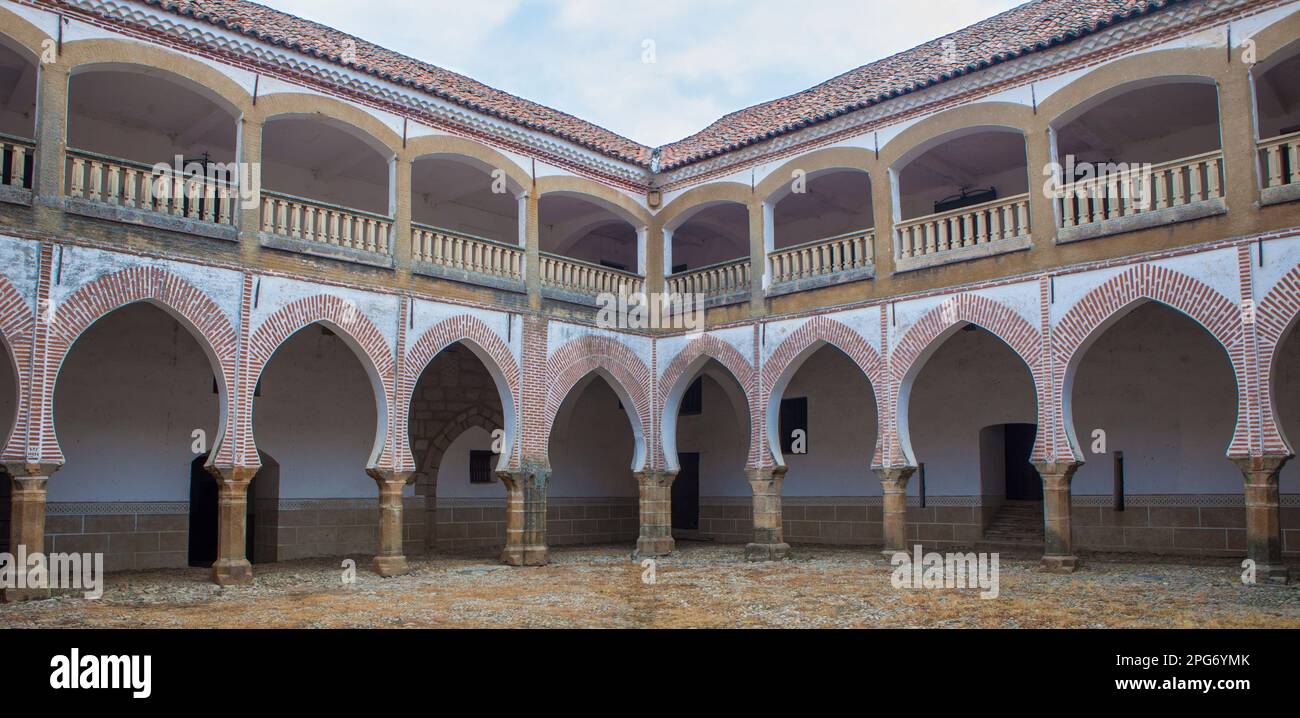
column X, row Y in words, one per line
column 169, row 414
column 1153, row 401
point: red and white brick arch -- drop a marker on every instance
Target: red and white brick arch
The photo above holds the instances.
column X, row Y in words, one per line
column 924, row 337
column 350, row 324
column 619, row 365
column 16, row 324
column 784, row 362
column 1103, row 306
column 185, row 302
column 676, row 378
column 490, row 349
column 1275, row 318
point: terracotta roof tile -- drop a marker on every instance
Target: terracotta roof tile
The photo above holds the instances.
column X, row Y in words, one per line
column 1033, row 26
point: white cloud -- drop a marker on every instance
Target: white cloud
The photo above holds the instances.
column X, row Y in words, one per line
column 585, row 56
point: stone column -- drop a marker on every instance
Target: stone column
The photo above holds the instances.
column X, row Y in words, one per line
column 526, row 516
column 769, row 534
column 533, row 249
column 757, row 258
column 1263, row 515
column 248, row 214
column 232, row 566
column 391, row 560
column 51, row 139
column 893, row 483
column 1058, row 536
column 656, row 498
column 27, row 519
column 400, row 206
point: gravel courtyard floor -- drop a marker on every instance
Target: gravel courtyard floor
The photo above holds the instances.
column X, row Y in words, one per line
column 702, row 585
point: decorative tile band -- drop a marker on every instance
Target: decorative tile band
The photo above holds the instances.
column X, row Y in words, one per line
column 116, row 508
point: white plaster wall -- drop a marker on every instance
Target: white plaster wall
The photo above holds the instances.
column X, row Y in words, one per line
column 592, row 445
column 720, row 434
column 974, row 380
column 316, row 417
column 1163, row 391
column 453, row 473
column 133, row 388
column 841, row 429
column 1286, row 397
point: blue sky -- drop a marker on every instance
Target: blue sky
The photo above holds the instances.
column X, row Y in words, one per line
column 587, row 57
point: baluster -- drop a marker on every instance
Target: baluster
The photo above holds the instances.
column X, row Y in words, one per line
column 1273, row 162
column 1212, row 175
column 224, row 199
column 96, row 181
column 110, row 186
column 15, row 175
column 1292, row 150
column 1196, row 183
column 129, row 178
column 78, row 180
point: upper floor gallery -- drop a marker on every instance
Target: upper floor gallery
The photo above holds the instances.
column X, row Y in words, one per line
column 1177, row 126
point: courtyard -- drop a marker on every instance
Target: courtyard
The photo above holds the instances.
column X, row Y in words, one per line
column 701, row 585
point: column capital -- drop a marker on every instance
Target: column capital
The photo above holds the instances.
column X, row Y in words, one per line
column 230, row 474
column 894, row 478
column 390, row 476
column 1063, row 469
column 1260, row 467
column 31, row 470
column 654, row 477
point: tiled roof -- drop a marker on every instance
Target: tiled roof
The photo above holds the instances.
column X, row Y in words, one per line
column 1033, row 26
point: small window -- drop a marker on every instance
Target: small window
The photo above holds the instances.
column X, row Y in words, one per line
column 480, row 467
column 693, row 399
column 794, row 417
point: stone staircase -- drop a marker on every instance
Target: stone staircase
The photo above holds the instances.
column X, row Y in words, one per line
column 1016, row 528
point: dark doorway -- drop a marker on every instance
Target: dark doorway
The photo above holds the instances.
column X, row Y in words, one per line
column 686, row 493
column 203, row 516
column 1023, row 481
column 6, row 486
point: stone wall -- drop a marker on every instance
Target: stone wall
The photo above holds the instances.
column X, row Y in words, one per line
column 471, row 525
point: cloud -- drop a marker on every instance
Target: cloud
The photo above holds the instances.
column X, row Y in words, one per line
column 585, row 57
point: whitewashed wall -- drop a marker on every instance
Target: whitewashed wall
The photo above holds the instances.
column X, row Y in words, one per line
column 132, row 390
column 316, row 417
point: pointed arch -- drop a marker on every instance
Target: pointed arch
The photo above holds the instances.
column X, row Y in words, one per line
column 618, row 365
column 355, row 329
column 925, row 337
column 496, row 358
column 16, row 322
column 187, row 304
column 676, row 378
column 1106, row 304
column 1275, row 319
column 801, row 344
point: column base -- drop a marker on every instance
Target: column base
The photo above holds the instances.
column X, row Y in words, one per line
column 661, row 546
column 387, row 566
column 1060, row 564
column 1273, row 573
column 528, row 556
column 766, row 551
column 232, row 572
